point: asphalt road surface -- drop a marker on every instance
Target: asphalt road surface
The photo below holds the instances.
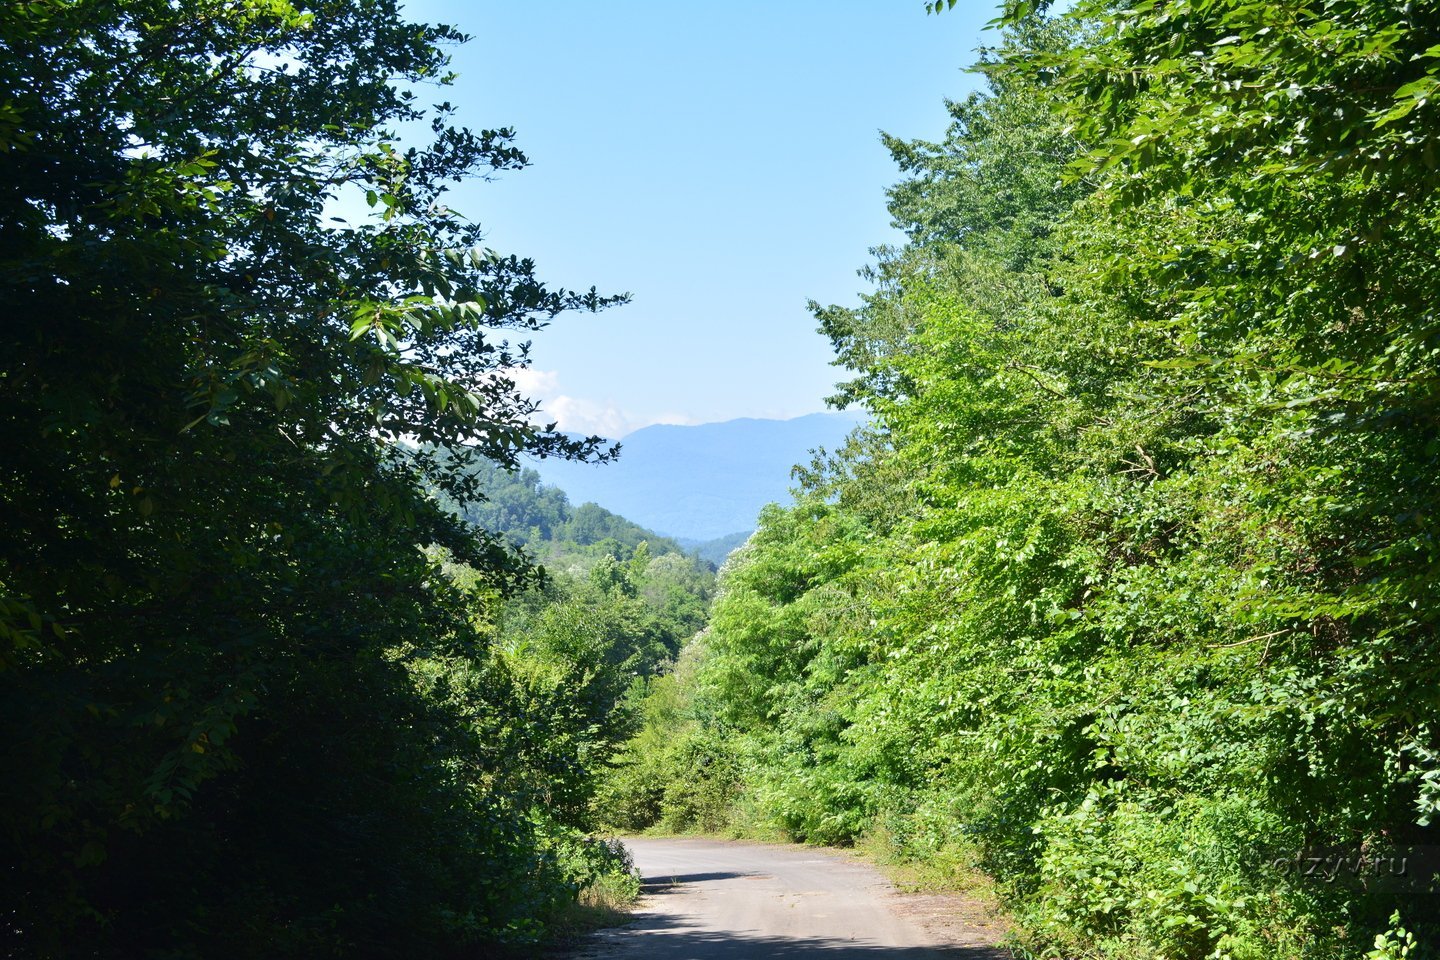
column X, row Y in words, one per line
column 719, row 900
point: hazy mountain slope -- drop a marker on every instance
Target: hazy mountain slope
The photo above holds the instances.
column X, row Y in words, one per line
column 701, row 482
column 715, row 551
column 541, row 518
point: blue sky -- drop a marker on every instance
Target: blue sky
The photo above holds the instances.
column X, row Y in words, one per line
column 721, row 162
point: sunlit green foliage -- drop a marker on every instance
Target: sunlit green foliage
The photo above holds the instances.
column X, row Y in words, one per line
column 1130, row 591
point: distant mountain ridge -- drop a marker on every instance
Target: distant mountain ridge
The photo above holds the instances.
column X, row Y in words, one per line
column 715, row 551
column 701, row 482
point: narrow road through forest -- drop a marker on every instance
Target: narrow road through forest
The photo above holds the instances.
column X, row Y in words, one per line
column 724, row 900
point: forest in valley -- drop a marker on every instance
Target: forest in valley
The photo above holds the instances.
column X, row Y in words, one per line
column 1124, row 598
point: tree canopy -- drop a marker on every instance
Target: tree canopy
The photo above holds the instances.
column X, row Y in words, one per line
column 249, row 716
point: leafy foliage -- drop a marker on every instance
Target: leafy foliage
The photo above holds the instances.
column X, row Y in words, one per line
column 1128, row 592
column 248, row 715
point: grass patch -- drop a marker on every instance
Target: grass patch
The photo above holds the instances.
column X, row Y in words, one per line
column 606, row 902
column 952, row 868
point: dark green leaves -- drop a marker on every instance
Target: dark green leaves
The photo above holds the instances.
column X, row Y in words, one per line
column 243, row 700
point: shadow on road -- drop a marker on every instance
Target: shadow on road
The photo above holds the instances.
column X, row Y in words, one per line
column 663, row 880
column 668, row 938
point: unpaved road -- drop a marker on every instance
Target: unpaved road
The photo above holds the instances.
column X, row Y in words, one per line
column 719, row 900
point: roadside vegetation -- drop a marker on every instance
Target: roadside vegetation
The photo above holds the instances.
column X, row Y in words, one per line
column 266, row 693
column 1126, row 596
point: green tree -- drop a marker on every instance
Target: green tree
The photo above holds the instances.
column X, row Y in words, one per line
column 246, row 711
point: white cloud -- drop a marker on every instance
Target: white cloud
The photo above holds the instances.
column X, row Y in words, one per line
column 585, row 416
column 582, row 415
column 534, row 383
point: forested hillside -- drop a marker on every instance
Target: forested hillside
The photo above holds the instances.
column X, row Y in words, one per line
column 1128, row 593
column 615, row 597
column 539, row 517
